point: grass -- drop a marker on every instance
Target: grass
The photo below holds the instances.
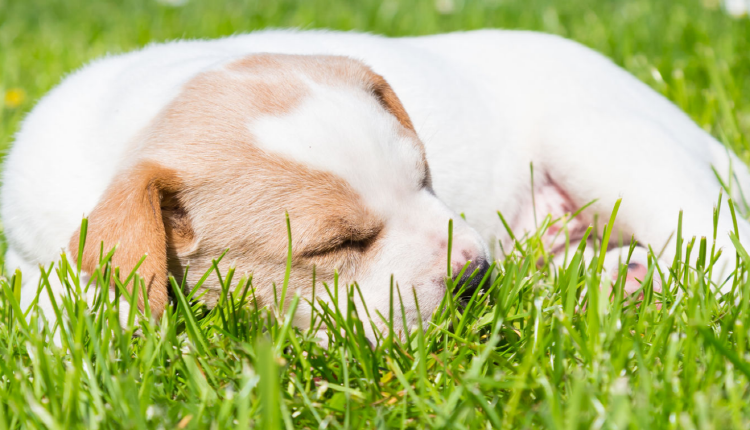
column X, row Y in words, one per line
column 540, row 349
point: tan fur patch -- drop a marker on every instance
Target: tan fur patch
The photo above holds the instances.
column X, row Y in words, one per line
column 230, row 194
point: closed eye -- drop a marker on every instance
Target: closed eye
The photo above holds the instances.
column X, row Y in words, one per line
column 359, row 242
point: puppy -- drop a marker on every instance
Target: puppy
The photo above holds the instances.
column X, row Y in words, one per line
column 371, row 145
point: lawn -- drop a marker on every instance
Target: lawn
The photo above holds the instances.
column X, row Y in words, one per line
column 538, row 349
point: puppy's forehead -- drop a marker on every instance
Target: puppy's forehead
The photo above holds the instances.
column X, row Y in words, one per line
column 327, row 113
column 347, row 121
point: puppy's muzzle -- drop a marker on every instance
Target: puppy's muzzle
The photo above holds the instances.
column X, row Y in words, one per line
column 471, row 279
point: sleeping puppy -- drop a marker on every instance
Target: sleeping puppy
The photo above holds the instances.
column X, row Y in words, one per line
column 371, row 145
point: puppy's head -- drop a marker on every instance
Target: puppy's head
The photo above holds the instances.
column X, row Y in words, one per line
column 321, row 138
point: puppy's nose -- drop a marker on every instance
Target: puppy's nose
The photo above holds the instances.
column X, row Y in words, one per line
column 468, row 284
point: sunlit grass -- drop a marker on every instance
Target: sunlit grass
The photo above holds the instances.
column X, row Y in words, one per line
column 535, row 347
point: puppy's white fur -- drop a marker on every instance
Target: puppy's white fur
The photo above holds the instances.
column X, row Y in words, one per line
column 486, row 104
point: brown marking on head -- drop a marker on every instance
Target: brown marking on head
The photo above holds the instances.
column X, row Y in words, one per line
column 231, row 194
column 329, row 70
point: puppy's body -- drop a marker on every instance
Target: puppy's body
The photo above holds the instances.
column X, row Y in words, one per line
column 485, row 104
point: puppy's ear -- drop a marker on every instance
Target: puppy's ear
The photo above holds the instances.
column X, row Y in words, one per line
column 383, row 92
column 129, row 216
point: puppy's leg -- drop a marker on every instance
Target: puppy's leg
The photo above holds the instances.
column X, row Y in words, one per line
column 550, row 200
column 657, row 169
column 637, row 269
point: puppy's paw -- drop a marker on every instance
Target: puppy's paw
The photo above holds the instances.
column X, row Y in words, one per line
column 637, row 272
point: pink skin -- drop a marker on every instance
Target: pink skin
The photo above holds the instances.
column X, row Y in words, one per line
column 552, row 200
column 636, row 273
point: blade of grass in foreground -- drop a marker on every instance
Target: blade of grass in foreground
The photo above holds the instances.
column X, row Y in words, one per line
column 270, row 397
column 193, row 328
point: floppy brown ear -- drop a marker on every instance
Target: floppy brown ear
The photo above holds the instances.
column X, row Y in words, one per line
column 129, row 216
column 388, row 98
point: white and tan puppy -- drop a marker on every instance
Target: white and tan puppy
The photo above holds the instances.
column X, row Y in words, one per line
column 184, row 149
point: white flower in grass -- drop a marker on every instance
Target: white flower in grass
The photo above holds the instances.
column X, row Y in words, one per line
column 173, row 3
column 445, row 7
column 737, row 8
